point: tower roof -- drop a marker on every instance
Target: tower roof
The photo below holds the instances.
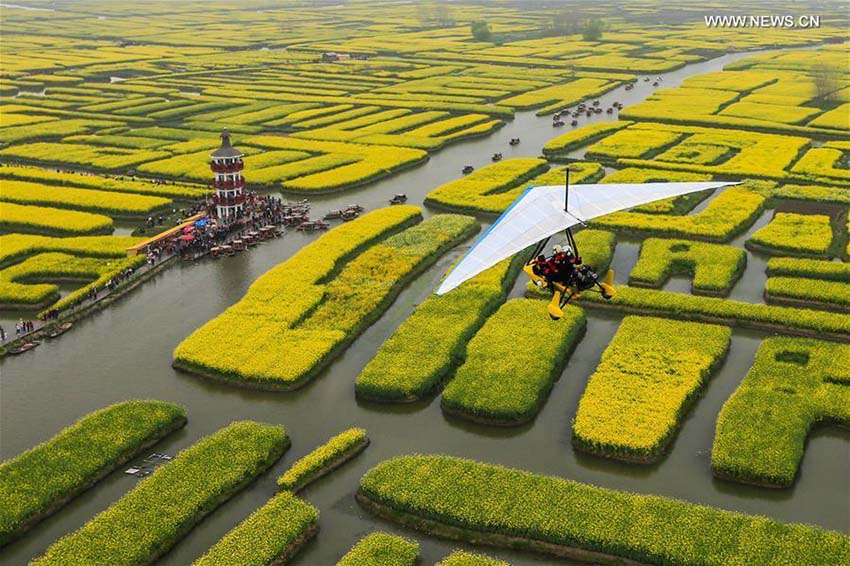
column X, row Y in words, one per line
column 226, row 150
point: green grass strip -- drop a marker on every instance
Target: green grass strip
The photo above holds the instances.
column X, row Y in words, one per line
column 324, row 459
column 513, row 362
column 810, row 268
column 382, row 549
column 463, row 558
column 41, row 480
column 794, row 385
column 272, row 534
column 814, row 293
column 488, row 504
column 784, row 320
column 162, row 508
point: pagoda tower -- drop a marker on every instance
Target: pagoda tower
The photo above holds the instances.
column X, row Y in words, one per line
column 227, row 165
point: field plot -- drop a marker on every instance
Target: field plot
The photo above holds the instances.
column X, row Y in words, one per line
column 32, row 265
column 502, row 385
column 421, row 354
column 794, row 386
column 715, row 268
column 41, row 480
column 142, row 525
column 325, row 315
column 648, row 377
column 109, row 115
column 468, row 500
column 493, row 188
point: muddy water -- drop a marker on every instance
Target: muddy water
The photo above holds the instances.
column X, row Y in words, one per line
column 125, row 352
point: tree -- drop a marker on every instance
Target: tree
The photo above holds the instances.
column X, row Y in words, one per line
column 592, row 30
column 481, row 31
column 827, row 80
column 431, row 14
column 561, row 22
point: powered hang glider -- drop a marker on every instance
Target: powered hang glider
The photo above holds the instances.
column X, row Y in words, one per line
column 541, row 212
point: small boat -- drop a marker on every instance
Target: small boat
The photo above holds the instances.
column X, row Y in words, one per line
column 332, row 215
column 630, row 86
column 557, row 124
column 398, row 198
column 514, row 141
column 228, row 250
column 349, row 214
column 355, row 208
column 25, row 347
column 609, row 111
column 556, row 116
column 59, row 330
column 589, row 113
column 312, row 226
column 239, row 245
column 646, row 79
column 574, row 123
column 655, row 83
column 596, row 102
column 575, row 114
column 597, row 111
column 215, row 251
column 276, row 231
column 468, row 169
column 497, row 157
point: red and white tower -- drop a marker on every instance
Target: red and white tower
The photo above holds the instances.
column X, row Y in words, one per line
column 227, row 165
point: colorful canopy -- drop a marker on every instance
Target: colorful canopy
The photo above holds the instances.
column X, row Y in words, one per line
column 539, row 213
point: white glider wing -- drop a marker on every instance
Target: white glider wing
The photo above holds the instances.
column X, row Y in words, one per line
column 539, row 213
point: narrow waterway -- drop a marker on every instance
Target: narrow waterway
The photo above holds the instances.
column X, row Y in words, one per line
column 125, row 352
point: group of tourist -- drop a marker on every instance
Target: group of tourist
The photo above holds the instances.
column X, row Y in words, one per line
column 22, row 327
column 197, row 240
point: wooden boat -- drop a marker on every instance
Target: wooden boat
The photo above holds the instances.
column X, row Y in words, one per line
column 514, row 141
column 275, row 231
column 398, row 198
column 312, row 226
column 25, row 347
column 59, row 330
column 468, row 169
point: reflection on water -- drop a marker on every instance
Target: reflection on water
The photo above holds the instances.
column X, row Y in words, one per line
column 125, row 352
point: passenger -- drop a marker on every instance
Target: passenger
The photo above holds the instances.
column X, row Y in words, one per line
column 565, row 263
column 543, row 267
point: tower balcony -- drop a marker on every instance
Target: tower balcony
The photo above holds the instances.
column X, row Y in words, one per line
column 228, row 185
column 221, row 167
column 231, row 201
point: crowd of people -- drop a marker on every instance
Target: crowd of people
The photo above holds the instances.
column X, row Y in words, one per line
column 258, row 211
